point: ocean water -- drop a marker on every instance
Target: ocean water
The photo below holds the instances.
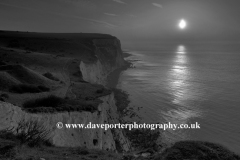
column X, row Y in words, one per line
column 188, row 83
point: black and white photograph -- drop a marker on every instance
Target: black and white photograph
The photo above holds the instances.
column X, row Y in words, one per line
column 119, row 80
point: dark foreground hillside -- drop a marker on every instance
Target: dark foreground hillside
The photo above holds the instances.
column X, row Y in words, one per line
column 189, row 150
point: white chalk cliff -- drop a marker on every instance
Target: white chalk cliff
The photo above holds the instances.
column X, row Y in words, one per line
column 109, row 57
column 10, row 115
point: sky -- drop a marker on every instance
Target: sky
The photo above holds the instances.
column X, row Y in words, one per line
column 130, row 20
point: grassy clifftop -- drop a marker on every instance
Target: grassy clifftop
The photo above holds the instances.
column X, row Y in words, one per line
column 37, row 65
column 78, row 45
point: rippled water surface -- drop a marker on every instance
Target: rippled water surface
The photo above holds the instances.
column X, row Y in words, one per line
column 188, row 83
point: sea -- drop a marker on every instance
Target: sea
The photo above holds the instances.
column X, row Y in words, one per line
column 185, row 83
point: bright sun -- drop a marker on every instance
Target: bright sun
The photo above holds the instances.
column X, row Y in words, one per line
column 182, row 24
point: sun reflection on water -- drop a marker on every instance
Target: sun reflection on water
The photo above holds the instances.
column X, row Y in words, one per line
column 181, row 49
column 179, row 75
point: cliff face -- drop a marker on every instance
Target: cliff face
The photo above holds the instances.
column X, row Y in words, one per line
column 10, row 115
column 109, row 57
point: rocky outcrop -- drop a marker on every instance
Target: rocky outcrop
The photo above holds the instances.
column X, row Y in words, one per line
column 93, row 72
column 97, row 138
column 109, row 57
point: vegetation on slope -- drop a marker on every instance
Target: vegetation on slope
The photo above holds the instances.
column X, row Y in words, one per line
column 144, row 139
column 31, row 133
column 27, row 88
column 88, row 91
column 53, row 103
column 2, row 63
column 50, row 76
column 27, row 134
column 121, row 98
column 24, row 75
column 196, row 150
column 30, row 141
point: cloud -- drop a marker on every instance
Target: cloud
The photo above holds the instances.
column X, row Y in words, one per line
column 110, row 14
column 95, row 21
column 85, row 5
column 157, row 5
column 106, row 24
column 119, row 1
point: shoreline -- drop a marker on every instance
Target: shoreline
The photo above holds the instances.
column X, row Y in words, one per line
column 113, row 77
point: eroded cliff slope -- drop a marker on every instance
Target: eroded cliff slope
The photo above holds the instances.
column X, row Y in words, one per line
column 109, row 57
column 11, row 115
